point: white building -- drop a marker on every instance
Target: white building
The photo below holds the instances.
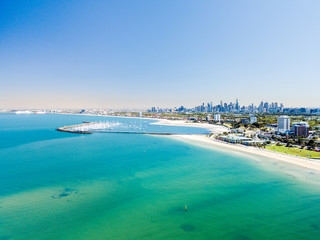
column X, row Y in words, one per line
column 140, row 114
column 253, row 119
column 217, row 117
column 283, row 124
column 208, row 118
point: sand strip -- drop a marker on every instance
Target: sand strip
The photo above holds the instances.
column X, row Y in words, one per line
column 299, row 161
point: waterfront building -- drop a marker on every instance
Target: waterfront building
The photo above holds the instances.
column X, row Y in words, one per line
column 300, row 129
column 140, row 114
column 283, row 124
column 236, row 139
column 217, row 117
column 208, row 118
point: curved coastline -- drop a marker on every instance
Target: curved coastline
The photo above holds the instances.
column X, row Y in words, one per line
column 217, row 129
column 285, row 158
column 213, row 128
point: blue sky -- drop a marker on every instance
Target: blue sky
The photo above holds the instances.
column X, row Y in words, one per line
column 127, row 54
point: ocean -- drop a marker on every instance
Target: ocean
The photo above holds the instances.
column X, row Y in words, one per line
column 56, row 185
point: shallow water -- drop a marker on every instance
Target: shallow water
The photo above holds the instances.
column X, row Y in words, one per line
column 56, row 185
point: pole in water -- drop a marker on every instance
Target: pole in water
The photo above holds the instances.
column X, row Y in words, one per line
column 185, row 208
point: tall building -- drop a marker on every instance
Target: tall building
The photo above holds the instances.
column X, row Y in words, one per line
column 217, row 117
column 261, row 104
column 300, row 129
column 253, row 119
column 283, row 124
column 281, row 107
column 209, row 107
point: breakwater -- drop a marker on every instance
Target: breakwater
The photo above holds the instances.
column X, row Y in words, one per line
column 75, row 129
column 71, row 129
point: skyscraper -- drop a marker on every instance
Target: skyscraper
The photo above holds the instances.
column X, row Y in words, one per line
column 261, row 104
column 217, row 117
column 283, row 124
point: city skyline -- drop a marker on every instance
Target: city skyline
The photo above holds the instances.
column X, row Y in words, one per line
column 205, row 107
column 236, row 104
column 237, row 107
column 80, row 54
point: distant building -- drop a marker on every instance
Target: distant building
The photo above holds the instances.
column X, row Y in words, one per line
column 217, row 117
column 283, row 124
column 140, row 114
column 236, row 139
column 253, row 119
column 244, row 120
column 300, row 129
column 208, row 118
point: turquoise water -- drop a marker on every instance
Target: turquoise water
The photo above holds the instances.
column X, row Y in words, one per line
column 56, row 185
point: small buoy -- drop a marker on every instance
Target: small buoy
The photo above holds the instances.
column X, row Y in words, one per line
column 185, row 208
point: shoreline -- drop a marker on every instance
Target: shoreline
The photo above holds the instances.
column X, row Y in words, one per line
column 285, row 158
column 193, row 139
column 213, row 128
column 217, row 129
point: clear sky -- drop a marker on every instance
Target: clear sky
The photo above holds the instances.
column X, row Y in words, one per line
column 123, row 54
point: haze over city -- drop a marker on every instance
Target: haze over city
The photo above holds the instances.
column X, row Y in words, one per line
column 139, row 54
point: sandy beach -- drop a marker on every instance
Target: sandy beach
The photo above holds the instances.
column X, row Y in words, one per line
column 217, row 129
column 298, row 161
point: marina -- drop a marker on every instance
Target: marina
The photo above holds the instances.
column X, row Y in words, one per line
column 107, row 127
